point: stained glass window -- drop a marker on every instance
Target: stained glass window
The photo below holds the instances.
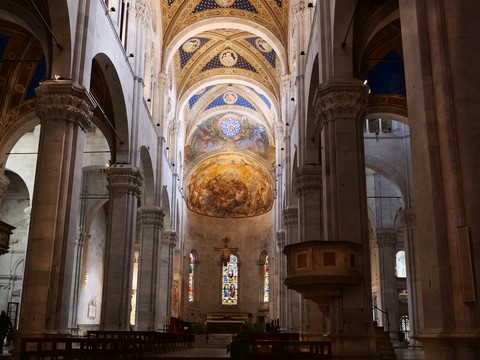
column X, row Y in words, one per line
column 230, row 127
column 266, row 285
column 401, row 269
column 230, row 282
column 190, row 277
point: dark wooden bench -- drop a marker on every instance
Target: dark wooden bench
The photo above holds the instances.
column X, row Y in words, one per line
column 280, row 349
column 99, row 345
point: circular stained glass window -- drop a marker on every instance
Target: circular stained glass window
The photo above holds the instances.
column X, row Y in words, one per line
column 230, row 127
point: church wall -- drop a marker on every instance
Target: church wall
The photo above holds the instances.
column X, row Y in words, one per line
column 204, row 234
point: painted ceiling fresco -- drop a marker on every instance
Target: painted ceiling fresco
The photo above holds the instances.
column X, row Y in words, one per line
column 230, row 186
column 230, row 132
column 233, row 52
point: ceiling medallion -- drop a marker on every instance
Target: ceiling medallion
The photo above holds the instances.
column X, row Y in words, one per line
column 225, row 3
column 228, row 57
column 263, row 46
column 230, row 127
column 191, row 45
column 230, row 97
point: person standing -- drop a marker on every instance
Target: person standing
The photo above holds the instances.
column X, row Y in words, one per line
column 5, row 326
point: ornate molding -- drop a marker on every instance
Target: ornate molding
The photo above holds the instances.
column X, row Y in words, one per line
column 408, row 219
column 169, row 238
column 280, row 239
column 386, row 237
column 63, row 100
column 340, row 101
column 290, row 217
column 124, row 178
column 151, row 216
column 307, row 179
column 142, row 12
column 299, row 10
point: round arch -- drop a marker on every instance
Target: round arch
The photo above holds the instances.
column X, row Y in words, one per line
column 148, row 194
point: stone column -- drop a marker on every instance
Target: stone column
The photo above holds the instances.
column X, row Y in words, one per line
column 407, row 217
column 292, row 320
column 280, row 294
column 64, row 110
column 341, row 107
column 124, row 186
column 151, row 221
column 387, row 239
column 165, row 278
column 307, row 182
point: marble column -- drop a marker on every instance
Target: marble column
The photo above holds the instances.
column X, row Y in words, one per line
column 124, row 186
column 292, row 320
column 151, row 222
column 387, row 239
column 341, row 106
column 165, row 278
column 64, row 110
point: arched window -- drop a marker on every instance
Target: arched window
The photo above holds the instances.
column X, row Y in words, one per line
column 230, row 282
column 191, row 277
column 266, row 281
column 401, row 268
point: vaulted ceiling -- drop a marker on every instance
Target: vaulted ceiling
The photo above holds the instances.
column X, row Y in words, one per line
column 227, row 58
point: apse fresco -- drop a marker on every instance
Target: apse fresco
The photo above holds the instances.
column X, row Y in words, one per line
column 233, row 131
column 229, row 186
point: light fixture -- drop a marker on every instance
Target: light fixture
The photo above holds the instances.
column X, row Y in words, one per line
column 302, row 52
column 282, row 149
column 293, row 99
column 131, row 55
column 167, row 148
column 287, row 124
column 149, row 100
column 58, row 77
column 310, row 5
column 158, row 124
column 112, row 9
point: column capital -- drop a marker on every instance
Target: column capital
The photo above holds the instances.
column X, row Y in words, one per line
column 299, row 10
column 408, row 219
column 151, row 216
column 280, row 239
column 64, row 100
column 4, row 182
column 169, row 238
column 142, row 12
column 290, row 216
column 307, row 179
column 386, row 237
column 340, row 100
column 124, row 178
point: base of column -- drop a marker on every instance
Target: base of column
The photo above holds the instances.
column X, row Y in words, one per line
column 360, row 346
column 443, row 345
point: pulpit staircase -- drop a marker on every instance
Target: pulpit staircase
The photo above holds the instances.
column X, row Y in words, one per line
column 384, row 344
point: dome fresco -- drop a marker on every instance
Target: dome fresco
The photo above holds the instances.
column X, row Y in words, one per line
column 229, row 186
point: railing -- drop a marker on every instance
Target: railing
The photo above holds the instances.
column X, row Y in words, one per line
column 104, row 345
column 383, row 312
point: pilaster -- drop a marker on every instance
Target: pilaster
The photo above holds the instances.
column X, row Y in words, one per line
column 165, row 279
column 124, row 186
column 151, row 223
column 64, row 110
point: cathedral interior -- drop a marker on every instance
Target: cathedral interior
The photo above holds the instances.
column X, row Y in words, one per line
column 308, row 166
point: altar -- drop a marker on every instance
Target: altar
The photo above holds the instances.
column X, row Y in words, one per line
column 226, row 322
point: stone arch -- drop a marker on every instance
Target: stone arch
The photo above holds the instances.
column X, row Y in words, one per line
column 166, row 208
column 148, row 193
column 111, row 112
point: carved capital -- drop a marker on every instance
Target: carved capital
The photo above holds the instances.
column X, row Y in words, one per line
column 142, row 12
column 169, row 238
column 386, row 238
column 299, row 10
column 280, row 239
column 151, row 216
column 308, row 180
column 124, row 178
column 335, row 101
column 407, row 218
column 4, row 182
column 290, row 217
column 63, row 100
